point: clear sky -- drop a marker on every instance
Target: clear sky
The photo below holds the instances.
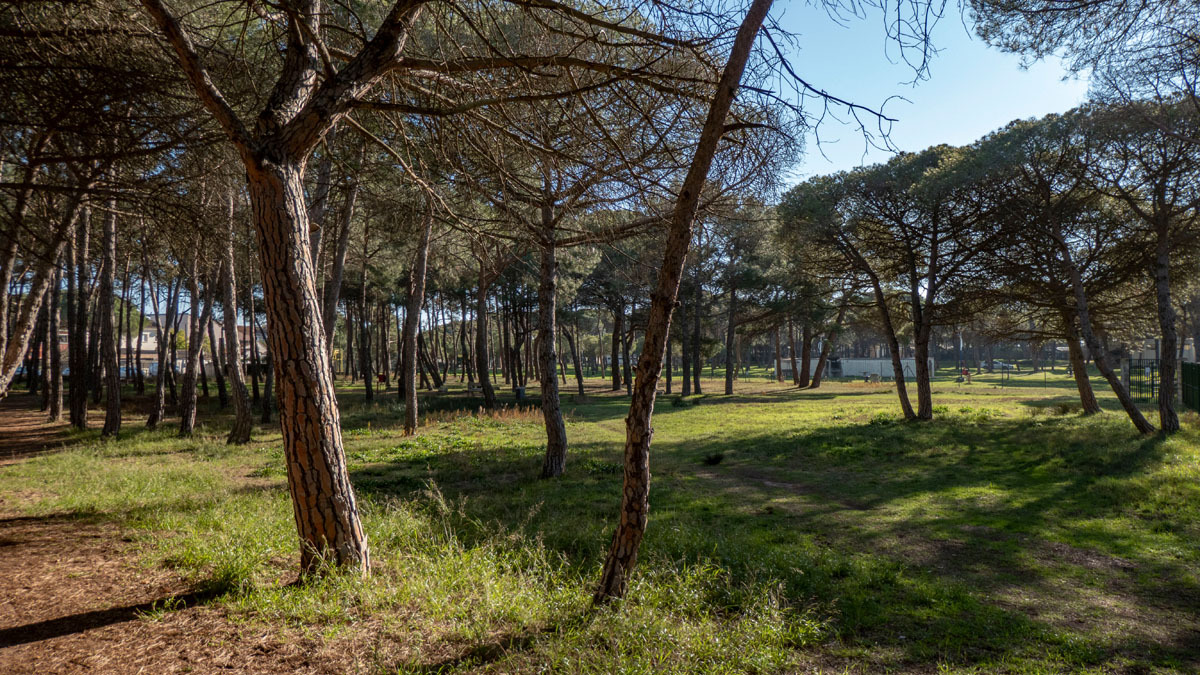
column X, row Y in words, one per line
column 972, row 88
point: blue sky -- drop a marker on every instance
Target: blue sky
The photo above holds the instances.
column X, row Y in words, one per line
column 972, row 88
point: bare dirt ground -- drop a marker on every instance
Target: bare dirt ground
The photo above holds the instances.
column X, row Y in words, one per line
column 24, row 431
column 74, row 598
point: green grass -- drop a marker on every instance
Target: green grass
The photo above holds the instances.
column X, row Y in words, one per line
column 1008, row 535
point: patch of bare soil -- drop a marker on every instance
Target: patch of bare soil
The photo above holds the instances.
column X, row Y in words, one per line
column 74, row 599
column 24, row 431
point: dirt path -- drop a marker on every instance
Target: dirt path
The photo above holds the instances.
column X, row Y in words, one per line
column 24, row 431
column 74, row 598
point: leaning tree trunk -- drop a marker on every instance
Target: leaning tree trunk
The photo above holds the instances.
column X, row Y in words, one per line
column 889, row 332
column 1099, row 355
column 240, row 433
column 326, row 510
column 27, row 313
column 412, row 324
column 555, row 460
column 108, row 345
column 622, row 555
column 1087, row 397
column 826, row 348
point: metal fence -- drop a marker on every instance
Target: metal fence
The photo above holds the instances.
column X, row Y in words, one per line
column 1190, row 375
column 1142, row 380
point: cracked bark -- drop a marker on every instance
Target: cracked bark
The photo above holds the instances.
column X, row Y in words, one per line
column 635, row 505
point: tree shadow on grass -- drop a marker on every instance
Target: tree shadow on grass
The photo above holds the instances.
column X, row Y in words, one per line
column 830, row 512
column 494, row 649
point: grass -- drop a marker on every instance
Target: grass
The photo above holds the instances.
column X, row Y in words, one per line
column 788, row 531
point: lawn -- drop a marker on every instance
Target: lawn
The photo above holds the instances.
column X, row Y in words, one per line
column 789, row 531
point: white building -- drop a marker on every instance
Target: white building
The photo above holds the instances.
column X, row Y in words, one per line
column 860, row 368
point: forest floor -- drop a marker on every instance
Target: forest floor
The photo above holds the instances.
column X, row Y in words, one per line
column 790, row 531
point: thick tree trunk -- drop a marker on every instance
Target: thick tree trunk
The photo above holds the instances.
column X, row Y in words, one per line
column 1087, row 397
column 923, row 376
column 627, row 539
column 412, row 324
column 108, row 345
column 555, row 460
column 326, row 511
column 296, row 115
